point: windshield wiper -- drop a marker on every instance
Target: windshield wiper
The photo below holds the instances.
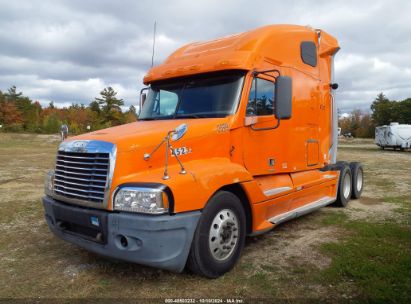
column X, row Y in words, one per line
column 153, row 118
column 189, row 116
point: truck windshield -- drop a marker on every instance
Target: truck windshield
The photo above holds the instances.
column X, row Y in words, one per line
column 201, row 96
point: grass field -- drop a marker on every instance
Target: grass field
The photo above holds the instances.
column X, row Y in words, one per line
column 362, row 252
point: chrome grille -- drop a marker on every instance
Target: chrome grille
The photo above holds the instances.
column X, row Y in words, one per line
column 82, row 176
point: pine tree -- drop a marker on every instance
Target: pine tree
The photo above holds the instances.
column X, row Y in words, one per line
column 110, row 105
column 381, row 110
column 94, row 106
column 132, row 110
column 12, row 94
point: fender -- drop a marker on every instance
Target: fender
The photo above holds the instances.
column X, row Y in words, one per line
column 192, row 190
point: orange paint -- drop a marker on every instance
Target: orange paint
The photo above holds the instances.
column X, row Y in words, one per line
column 226, row 151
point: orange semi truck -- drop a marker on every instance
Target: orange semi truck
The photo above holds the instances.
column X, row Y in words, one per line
column 234, row 137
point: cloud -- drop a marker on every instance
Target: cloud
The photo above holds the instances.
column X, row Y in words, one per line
column 69, row 50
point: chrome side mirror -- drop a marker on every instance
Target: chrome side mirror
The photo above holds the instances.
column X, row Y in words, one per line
column 143, row 97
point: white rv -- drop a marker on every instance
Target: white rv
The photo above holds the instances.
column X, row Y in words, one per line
column 393, row 136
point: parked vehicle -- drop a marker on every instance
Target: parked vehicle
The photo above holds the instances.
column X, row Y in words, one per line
column 235, row 136
column 394, row 136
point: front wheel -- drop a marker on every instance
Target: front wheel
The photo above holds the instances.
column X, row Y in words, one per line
column 219, row 237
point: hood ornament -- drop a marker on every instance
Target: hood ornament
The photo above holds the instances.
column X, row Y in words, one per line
column 179, row 132
column 174, row 135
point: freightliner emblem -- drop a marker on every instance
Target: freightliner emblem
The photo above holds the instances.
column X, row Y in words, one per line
column 179, row 132
column 79, row 146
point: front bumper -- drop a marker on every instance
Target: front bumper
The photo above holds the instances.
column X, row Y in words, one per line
column 161, row 241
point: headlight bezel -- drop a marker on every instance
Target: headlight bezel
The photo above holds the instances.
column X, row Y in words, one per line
column 49, row 183
column 159, row 189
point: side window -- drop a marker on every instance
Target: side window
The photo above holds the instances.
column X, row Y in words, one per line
column 165, row 103
column 309, row 53
column 261, row 103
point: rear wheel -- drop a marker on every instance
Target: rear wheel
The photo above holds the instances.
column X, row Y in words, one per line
column 219, row 237
column 341, row 163
column 357, row 173
column 344, row 187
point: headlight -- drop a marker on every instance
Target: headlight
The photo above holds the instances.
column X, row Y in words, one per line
column 49, row 183
column 144, row 200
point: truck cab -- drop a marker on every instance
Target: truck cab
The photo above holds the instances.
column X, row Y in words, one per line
column 234, row 137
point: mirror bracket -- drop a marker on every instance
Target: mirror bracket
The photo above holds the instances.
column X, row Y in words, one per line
column 285, row 99
column 265, row 72
column 268, row 128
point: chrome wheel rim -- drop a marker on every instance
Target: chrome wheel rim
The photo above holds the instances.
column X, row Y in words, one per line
column 223, row 236
column 347, row 186
column 359, row 180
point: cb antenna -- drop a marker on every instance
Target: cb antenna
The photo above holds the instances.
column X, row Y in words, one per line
column 154, row 43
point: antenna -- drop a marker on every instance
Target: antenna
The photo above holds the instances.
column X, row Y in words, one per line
column 154, row 43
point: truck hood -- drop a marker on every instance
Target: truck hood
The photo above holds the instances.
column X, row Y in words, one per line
column 204, row 139
column 147, row 134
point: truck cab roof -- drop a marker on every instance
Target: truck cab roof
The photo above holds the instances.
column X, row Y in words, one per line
column 279, row 45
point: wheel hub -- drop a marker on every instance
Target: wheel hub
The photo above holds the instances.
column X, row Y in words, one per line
column 223, row 237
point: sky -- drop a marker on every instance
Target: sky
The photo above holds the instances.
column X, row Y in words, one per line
column 68, row 51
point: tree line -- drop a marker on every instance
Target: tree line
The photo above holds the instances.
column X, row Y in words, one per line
column 18, row 113
column 383, row 112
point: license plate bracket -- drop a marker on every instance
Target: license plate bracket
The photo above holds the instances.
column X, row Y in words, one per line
column 86, row 223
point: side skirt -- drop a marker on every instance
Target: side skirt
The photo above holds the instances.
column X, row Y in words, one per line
column 324, row 201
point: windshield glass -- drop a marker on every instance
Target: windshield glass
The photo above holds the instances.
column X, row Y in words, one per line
column 206, row 95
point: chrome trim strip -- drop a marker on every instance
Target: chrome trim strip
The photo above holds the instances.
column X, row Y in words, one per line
column 82, row 174
column 334, row 119
column 83, row 157
column 87, row 146
column 302, row 210
column 83, row 163
column 79, row 168
column 274, row 191
column 77, row 184
column 81, row 179
column 74, row 200
column 78, row 190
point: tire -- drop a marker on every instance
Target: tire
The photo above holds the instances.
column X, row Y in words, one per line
column 341, row 163
column 357, row 173
column 208, row 257
column 344, row 187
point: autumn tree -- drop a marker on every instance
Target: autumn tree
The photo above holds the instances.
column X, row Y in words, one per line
column 359, row 124
column 10, row 116
column 130, row 115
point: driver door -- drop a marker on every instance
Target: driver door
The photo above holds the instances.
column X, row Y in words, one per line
column 260, row 147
